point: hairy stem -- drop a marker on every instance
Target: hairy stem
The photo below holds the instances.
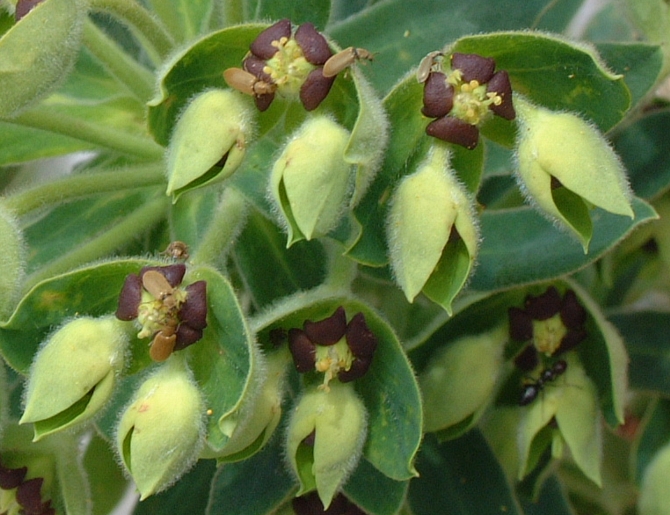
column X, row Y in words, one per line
column 341, row 270
column 137, row 17
column 103, row 136
column 231, row 11
column 104, row 244
column 75, row 186
column 222, row 230
column 135, row 77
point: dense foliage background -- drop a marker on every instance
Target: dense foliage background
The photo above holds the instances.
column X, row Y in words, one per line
column 437, row 424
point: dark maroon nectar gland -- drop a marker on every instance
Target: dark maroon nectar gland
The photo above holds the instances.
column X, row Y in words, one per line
column 23, row 7
column 25, row 496
column 333, row 347
column 172, row 315
column 551, row 323
column 462, row 96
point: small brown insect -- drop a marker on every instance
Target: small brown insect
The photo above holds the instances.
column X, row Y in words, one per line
column 177, row 250
column 344, row 59
column 426, row 65
column 163, row 344
column 247, row 83
column 156, row 284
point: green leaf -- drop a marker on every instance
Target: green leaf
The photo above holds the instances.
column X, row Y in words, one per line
column 646, row 336
column 509, row 234
column 223, row 381
column 640, row 65
column 67, row 227
column 314, row 11
column 645, row 150
column 373, row 491
column 454, row 475
column 189, row 496
column 604, row 357
column 19, row 144
column 268, row 269
column 555, row 73
column 400, row 34
column 388, row 389
column 551, row 501
column 184, row 19
column 252, row 487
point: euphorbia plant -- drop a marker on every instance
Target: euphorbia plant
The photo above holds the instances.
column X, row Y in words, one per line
column 333, row 259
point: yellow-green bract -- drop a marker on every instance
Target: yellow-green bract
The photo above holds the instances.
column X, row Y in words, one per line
column 161, row 432
column 559, row 146
column 74, row 374
column 337, row 419
column 311, row 180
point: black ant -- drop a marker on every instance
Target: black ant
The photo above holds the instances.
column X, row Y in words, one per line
column 532, row 390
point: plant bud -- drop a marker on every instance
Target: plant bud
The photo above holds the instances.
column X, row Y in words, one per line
column 431, row 231
column 565, row 166
column 460, row 379
column 311, row 180
column 29, row 71
column 74, row 374
column 570, row 400
column 250, row 430
column 12, row 262
column 209, row 140
column 325, row 439
column 654, row 494
column 161, row 432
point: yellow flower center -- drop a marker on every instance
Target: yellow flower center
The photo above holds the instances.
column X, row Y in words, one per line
column 331, row 360
column 288, row 67
column 547, row 334
column 155, row 314
column 471, row 100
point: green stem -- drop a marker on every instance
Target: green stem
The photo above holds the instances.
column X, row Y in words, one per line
column 74, row 127
column 133, row 14
column 72, row 187
column 232, row 11
column 112, row 239
column 124, row 68
column 224, row 227
column 341, row 270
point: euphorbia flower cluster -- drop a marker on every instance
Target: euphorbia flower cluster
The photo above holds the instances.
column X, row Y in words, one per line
column 21, row 495
column 173, row 316
column 555, row 324
column 461, row 98
column 334, row 347
column 285, row 62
